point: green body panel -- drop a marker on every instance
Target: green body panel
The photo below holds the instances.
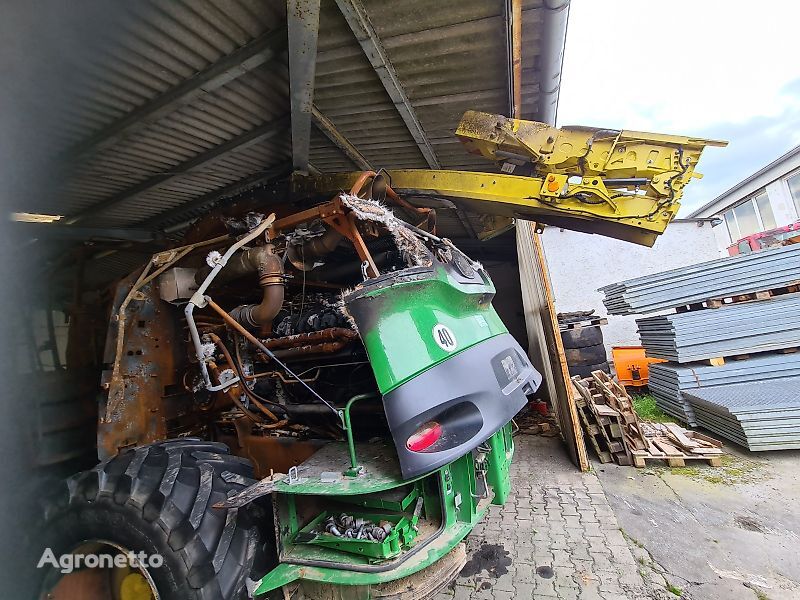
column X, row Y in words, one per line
column 452, row 488
column 397, row 329
column 378, row 459
column 498, row 471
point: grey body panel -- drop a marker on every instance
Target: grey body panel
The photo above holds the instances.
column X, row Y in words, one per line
column 472, row 394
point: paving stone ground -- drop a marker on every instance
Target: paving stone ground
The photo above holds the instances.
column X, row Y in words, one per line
column 561, row 536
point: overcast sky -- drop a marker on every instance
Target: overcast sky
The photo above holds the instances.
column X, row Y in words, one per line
column 724, row 70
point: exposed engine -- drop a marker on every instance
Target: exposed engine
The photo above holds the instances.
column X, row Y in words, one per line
column 285, row 333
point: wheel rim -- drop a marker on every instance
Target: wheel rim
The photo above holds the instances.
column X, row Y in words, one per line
column 116, row 583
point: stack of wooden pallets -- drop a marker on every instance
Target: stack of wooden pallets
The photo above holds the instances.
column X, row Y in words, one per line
column 617, row 434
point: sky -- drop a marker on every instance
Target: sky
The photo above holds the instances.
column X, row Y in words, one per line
column 703, row 68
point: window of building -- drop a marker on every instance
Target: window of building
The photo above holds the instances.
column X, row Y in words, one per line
column 747, row 219
column 765, row 212
column 733, row 228
column 794, row 190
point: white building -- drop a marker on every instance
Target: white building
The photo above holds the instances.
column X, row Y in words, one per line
column 769, row 198
column 580, row 263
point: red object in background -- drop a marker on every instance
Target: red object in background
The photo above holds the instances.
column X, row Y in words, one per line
column 764, row 239
column 540, row 407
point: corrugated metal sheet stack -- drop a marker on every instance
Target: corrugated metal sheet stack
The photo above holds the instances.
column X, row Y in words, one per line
column 755, row 318
column 670, row 381
column 720, row 278
column 758, row 416
column 732, row 330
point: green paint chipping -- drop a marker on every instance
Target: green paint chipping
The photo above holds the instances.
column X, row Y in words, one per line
column 734, row 470
column 674, row 590
column 647, row 409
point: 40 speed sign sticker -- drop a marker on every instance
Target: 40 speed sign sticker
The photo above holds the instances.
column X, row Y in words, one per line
column 444, row 337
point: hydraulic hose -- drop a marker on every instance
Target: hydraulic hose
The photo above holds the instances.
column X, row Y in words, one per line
column 237, row 368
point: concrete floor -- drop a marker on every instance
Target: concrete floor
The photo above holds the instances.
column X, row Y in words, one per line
column 728, row 533
column 556, row 537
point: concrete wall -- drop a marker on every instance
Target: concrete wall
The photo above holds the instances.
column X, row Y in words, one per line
column 580, row 263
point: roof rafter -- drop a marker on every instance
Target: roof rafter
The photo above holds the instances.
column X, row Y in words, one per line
column 356, row 17
column 327, row 127
column 254, row 136
column 250, row 56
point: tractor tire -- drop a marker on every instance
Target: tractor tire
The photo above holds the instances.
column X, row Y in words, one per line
column 582, row 337
column 588, row 355
column 586, row 371
column 158, row 499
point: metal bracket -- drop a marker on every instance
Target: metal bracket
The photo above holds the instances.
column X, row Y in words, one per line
column 262, row 488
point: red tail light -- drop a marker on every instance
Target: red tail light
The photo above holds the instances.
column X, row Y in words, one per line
column 424, row 437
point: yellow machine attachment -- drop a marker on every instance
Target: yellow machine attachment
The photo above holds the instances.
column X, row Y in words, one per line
column 621, row 184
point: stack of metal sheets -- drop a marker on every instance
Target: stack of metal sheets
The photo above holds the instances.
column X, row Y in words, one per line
column 759, row 416
column 668, row 381
column 734, row 329
column 721, row 278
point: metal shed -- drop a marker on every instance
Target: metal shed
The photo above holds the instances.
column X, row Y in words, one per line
column 173, row 107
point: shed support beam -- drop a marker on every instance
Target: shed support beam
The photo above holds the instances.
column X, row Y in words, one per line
column 86, row 234
column 250, row 56
column 325, row 125
column 254, row 136
column 303, row 23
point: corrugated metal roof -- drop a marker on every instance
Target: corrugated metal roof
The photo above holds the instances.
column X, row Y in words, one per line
column 449, row 57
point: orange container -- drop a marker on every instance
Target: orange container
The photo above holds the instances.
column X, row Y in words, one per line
column 632, row 366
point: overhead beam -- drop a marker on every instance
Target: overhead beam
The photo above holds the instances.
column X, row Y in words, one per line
column 85, row 234
column 254, row 136
column 303, row 24
column 204, row 201
column 356, row 17
column 325, row 125
column 513, row 21
column 250, row 56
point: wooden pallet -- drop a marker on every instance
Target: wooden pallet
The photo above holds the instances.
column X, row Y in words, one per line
column 581, row 324
column 740, row 298
column 617, row 434
column 592, row 431
column 603, row 424
column 672, row 443
column 718, row 361
column 640, row 459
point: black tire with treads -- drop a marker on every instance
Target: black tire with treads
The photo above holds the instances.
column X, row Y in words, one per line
column 586, row 370
column 582, row 337
column 588, row 355
column 159, row 499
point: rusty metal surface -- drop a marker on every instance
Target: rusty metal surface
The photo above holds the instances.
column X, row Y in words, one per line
column 148, row 364
column 269, row 454
column 332, row 334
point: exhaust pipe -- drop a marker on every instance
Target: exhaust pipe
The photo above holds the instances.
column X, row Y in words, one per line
column 268, row 265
